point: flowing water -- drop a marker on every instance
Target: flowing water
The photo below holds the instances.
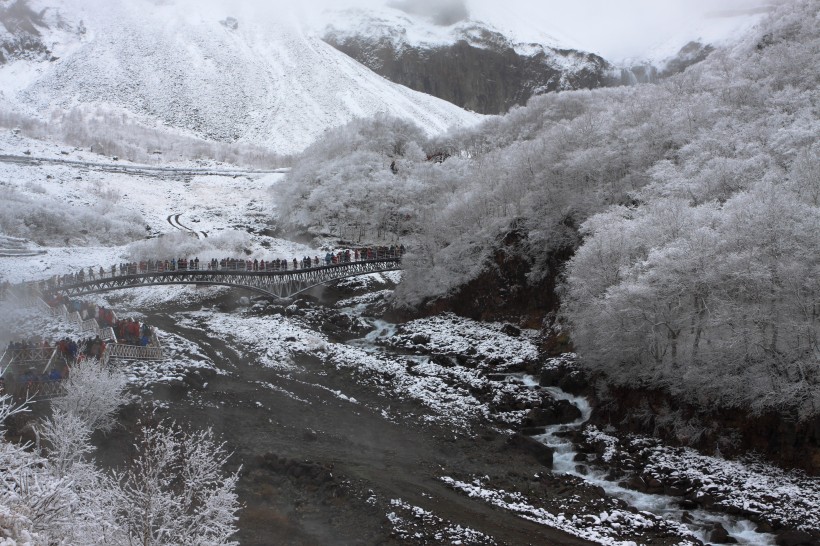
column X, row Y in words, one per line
column 564, row 458
column 564, row 462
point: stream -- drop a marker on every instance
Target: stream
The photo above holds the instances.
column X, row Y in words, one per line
column 564, row 462
column 700, row 522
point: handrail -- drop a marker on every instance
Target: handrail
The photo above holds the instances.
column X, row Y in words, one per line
column 278, row 284
column 90, row 325
column 31, row 354
column 107, row 334
column 50, row 360
column 118, row 350
column 2, row 359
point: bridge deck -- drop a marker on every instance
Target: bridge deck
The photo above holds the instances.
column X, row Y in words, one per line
column 280, row 284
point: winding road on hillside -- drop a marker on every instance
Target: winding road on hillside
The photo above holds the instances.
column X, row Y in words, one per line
column 173, row 219
column 139, row 169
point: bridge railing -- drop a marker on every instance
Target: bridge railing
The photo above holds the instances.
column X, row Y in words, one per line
column 41, row 358
column 279, row 284
column 271, row 266
column 132, row 352
column 89, row 325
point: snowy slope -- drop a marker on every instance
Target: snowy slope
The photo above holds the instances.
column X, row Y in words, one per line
column 495, row 29
column 184, row 65
column 715, row 28
column 651, row 37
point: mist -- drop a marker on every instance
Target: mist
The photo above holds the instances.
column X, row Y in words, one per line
column 441, row 12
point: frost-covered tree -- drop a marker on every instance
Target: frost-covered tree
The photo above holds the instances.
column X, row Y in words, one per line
column 41, row 504
column 92, row 393
column 174, row 491
column 696, row 199
column 708, row 284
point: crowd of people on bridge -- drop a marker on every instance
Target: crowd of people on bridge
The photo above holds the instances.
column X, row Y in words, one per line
column 22, row 360
column 127, row 331
column 227, row 264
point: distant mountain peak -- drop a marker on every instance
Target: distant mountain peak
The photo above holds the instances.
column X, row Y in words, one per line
column 469, row 62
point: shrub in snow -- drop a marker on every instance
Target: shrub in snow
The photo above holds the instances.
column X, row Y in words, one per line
column 174, row 492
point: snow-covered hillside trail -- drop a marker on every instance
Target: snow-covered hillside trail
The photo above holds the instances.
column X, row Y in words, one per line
column 132, row 168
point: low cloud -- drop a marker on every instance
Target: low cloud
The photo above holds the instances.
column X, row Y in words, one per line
column 441, row 12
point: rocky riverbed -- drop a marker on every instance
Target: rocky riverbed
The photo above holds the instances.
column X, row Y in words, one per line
column 351, row 430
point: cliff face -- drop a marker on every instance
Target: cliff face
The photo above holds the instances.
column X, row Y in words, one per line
column 504, row 291
column 488, row 80
column 479, row 68
column 21, row 33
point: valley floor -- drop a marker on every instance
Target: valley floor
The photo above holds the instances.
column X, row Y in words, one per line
column 351, row 430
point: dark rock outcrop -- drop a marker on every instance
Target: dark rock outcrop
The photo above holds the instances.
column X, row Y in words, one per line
column 24, row 28
column 542, row 453
column 488, row 80
column 554, row 412
column 795, row 538
column 504, row 290
column 785, row 440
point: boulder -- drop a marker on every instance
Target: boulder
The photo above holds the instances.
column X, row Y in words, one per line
column 635, row 483
column 542, row 453
column 673, row 491
column 550, row 377
column 511, row 330
column 552, row 412
column 719, row 535
column 573, row 383
column 533, row 431
column 420, row 339
column 442, row 360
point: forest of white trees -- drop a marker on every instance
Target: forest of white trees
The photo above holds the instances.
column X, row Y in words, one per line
column 173, row 491
column 693, row 206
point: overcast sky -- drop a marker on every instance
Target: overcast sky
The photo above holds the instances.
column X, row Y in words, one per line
column 616, row 29
column 623, row 28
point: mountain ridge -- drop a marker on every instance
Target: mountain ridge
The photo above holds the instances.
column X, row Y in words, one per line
column 264, row 81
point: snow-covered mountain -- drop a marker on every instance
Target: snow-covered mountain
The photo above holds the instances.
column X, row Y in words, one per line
column 239, row 74
column 490, row 56
column 468, row 61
